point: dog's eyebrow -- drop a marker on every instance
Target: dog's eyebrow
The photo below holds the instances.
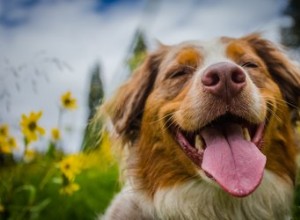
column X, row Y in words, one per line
column 237, row 50
column 188, row 56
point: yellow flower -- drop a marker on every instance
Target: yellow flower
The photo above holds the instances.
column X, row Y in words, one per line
column 71, row 165
column 7, row 144
column 29, row 155
column 12, row 143
column 4, row 130
column 30, row 127
column 69, row 189
column 68, row 102
column 4, row 147
column 55, row 134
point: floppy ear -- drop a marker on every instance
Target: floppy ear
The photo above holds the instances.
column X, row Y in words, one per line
column 284, row 71
column 126, row 108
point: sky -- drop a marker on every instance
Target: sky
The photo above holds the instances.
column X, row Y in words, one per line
column 48, row 47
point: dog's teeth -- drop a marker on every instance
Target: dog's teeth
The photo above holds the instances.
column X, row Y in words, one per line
column 199, row 143
column 246, row 134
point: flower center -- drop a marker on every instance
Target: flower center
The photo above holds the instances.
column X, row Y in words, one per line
column 11, row 142
column 2, row 132
column 32, row 126
column 67, row 166
column 67, row 101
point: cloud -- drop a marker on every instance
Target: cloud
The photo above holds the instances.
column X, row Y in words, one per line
column 184, row 20
column 61, row 42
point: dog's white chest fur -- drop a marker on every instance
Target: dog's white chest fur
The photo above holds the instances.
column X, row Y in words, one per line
column 200, row 200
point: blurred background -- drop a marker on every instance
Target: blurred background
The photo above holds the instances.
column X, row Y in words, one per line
column 59, row 58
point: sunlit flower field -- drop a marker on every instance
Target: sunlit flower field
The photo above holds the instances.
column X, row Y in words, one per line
column 49, row 184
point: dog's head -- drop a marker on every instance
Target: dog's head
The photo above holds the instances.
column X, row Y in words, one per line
column 216, row 111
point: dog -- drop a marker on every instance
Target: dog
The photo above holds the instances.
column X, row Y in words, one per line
column 207, row 132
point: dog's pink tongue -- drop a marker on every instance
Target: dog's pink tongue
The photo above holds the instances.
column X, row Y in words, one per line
column 236, row 164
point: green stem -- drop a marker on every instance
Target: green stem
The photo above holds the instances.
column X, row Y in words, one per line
column 26, row 142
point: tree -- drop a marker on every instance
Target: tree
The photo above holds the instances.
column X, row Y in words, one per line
column 291, row 35
column 138, row 51
column 96, row 94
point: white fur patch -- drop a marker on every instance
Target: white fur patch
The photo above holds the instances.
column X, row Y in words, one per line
column 198, row 199
column 201, row 200
column 214, row 52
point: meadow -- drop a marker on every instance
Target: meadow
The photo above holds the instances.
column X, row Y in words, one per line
column 50, row 184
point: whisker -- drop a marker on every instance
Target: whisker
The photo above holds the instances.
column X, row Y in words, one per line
column 282, row 102
column 272, row 111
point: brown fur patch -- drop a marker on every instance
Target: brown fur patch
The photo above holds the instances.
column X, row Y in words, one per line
column 188, row 56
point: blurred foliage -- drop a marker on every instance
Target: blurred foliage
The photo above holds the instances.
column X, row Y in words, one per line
column 296, row 207
column 136, row 60
column 139, row 51
column 96, row 92
column 91, row 138
column 291, row 35
column 52, row 185
column 32, row 191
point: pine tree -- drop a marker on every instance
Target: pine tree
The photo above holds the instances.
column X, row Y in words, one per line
column 138, row 51
column 96, row 93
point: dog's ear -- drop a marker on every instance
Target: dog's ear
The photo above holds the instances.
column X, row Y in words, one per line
column 285, row 73
column 126, row 108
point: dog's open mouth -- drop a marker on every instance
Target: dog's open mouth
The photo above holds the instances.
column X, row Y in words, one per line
column 228, row 151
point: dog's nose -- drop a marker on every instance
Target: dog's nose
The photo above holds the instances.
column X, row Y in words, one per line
column 224, row 80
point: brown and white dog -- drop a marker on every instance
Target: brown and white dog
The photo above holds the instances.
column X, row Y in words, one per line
column 208, row 133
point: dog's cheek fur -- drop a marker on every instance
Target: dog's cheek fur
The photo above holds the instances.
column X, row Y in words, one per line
column 279, row 144
column 158, row 161
column 285, row 73
column 281, row 92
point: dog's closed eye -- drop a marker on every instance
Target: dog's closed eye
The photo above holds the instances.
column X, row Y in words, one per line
column 182, row 71
column 249, row 64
